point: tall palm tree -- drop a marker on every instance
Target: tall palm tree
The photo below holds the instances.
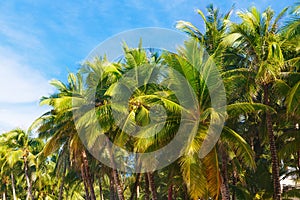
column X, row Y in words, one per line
column 194, row 168
column 100, row 75
column 287, row 91
column 212, row 40
column 58, row 125
column 257, row 35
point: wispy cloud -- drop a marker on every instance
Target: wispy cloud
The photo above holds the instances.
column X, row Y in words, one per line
column 19, row 83
column 21, row 87
column 19, row 115
column 17, row 35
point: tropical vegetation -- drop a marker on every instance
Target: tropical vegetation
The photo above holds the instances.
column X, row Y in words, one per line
column 258, row 61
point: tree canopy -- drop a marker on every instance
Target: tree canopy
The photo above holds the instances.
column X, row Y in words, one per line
column 257, row 60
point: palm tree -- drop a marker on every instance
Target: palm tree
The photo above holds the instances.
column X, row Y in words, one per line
column 258, row 37
column 194, row 168
column 58, row 124
column 102, row 78
column 213, row 41
column 259, row 65
column 100, row 75
column 215, row 25
column 290, row 33
column 192, row 171
column 20, row 148
column 287, row 91
column 5, row 169
column 145, row 96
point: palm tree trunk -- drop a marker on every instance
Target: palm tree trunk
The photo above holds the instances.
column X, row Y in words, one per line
column 170, row 192
column 115, row 174
column 152, row 185
column 274, row 158
column 118, row 184
column 135, row 186
column 62, row 183
column 111, row 187
column 13, row 186
column 83, row 176
column 185, row 190
column 147, row 192
column 29, row 187
column 224, row 175
column 88, row 175
column 299, row 161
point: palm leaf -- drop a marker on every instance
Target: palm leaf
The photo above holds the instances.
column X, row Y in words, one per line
column 237, row 109
column 239, row 146
column 293, row 99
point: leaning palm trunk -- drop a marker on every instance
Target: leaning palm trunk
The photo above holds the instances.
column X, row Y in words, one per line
column 88, row 175
column 83, row 176
column 13, row 186
column 152, row 185
column 29, row 187
column 274, row 158
column 118, row 184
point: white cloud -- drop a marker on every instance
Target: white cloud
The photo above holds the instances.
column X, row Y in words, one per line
column 18, row 82
column 19, row 35
column 19, row 115
column 21, row 87
column 22, row 84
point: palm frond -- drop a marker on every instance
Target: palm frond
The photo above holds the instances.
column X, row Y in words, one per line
column 293, row 100
column 238, row 146
column 237, row 109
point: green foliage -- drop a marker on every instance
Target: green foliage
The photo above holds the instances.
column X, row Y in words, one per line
column 256, row 58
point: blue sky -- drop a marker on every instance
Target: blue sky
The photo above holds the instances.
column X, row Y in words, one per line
column 43, row 40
